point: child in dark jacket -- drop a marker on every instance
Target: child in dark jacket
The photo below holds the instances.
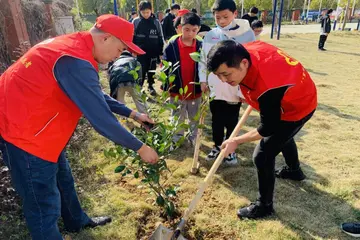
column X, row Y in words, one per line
column 149, row 37
column 325, row 29
column 179, row 50
column 125, row 75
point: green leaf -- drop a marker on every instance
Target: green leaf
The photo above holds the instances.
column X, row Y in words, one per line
column 120, row 168
column 170, row 192
column 176, row 98
column 171, row 78
column 170, row 105
column 160, row 201
column 170, row 209
column 156, row 178
column 186, row 89
column 145, row 180
column 165, row 63
column 162, row 76
column 112, row 153
column 106, row 153
column 195, row 56
column 201, row 126
column 136, row 175
column 136, row 76
column 181, row 91
column 197, row 116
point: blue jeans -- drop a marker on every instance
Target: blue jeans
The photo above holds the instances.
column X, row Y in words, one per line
column 47, row 192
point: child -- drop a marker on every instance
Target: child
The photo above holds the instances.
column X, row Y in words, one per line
column 325, row 29
column 133, row 16
column 257, row 27
column 122, row 80
column 226, row 105
column 168, row 21
column 179, row 50
column 148, row 36
column 178, row 26
column 252, row 15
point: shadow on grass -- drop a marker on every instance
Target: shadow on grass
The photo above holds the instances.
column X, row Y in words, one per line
column 317, row 73
column 337, row 112
column 346, row 53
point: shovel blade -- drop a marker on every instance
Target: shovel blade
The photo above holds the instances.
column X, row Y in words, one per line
column 164, row 233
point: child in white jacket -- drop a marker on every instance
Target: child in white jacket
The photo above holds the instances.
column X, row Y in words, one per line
column 226, row 105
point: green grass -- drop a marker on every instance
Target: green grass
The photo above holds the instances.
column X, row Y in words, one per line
column 312, row 209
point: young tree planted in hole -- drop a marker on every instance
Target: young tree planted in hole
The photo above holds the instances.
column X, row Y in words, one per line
column 160, row 138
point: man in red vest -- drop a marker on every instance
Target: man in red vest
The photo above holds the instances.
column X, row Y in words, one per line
column 42, row 97
column 280, row 88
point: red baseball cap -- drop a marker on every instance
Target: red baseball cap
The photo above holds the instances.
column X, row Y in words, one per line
column 119, row 28
column 181, row 13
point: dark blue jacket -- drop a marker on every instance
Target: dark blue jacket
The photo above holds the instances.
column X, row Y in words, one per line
column 172, row 54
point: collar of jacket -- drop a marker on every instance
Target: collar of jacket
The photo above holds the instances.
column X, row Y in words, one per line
column 152, row 16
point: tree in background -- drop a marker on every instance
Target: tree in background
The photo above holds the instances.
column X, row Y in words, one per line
column 95, row 6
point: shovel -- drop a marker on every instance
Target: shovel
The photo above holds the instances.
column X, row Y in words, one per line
column 162, row 232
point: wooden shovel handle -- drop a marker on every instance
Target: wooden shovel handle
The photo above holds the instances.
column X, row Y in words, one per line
column 215, row 166
column 197, row 144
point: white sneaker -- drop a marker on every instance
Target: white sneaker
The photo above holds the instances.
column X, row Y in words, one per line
column 231, row 160
column 213, row 154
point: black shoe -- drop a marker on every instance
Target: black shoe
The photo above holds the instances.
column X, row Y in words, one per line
column 353, row 229
column 152, row 91
column 286, row 173
column 256, row 210
column 322, row 49
column 97, row 221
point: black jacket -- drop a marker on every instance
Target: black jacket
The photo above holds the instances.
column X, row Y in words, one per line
column 172, row 54
column 168, row 26
column 148, row 36
column 325, row 24
column 249, row 18
column 120, row 75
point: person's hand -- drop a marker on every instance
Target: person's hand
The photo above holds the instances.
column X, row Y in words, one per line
column 148, row 154
column 230, row 145
column 204, row 87
column 144, row 120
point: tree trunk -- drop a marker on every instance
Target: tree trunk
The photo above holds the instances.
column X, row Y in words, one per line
column 96, row 12
column 198, row 6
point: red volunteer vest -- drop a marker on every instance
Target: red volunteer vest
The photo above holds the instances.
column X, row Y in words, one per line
column 272, row 68
column 35, row 114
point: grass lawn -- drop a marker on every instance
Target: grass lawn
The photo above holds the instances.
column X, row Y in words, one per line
column 312, row 209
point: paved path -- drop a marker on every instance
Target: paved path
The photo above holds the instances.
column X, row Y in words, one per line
column 311, row 28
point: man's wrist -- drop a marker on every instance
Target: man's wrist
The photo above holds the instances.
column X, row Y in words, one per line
column 137, row 116
column 238, row 140
column 134, row 115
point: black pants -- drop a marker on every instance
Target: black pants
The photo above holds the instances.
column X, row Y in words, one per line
column 322, row 41
column 224, row 115
column 148, row 63
column 269, row 147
